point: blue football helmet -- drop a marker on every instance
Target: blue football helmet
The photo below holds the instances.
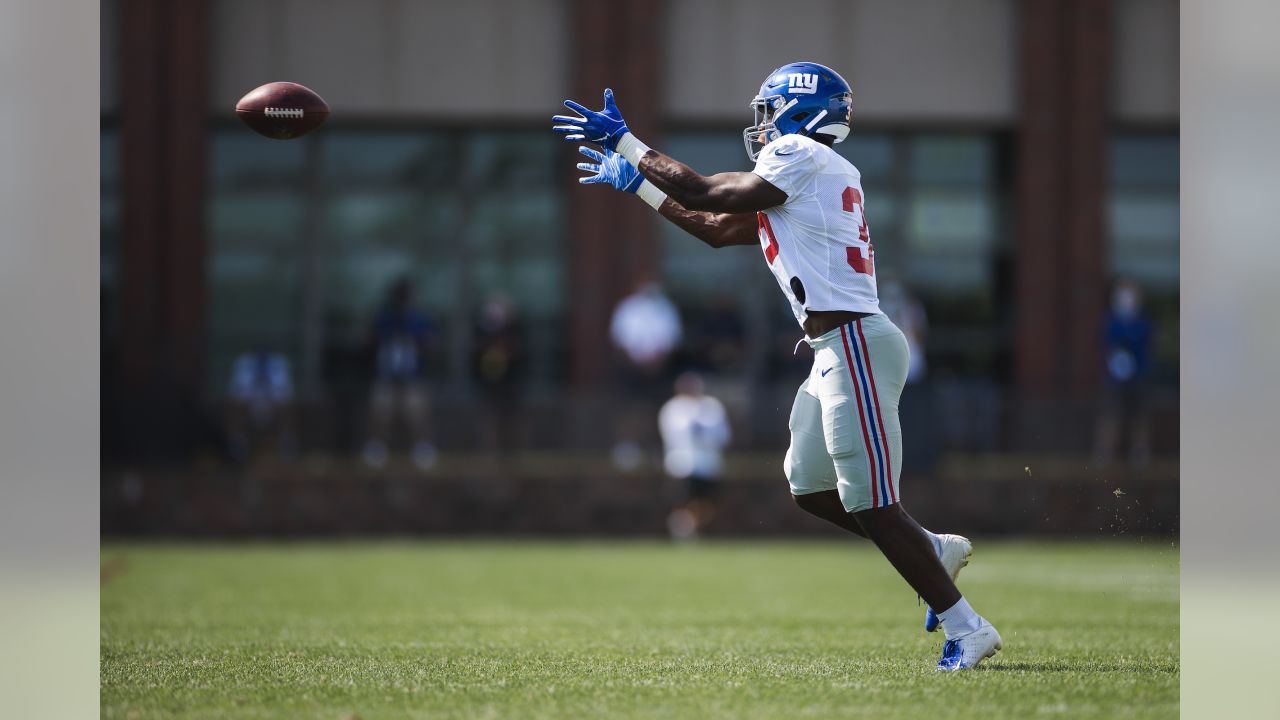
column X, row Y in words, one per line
column 803, row 98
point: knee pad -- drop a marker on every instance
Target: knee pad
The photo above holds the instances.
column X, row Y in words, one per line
column 808, row 472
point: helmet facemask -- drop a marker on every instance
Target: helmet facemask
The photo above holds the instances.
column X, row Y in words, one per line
column 762, row 132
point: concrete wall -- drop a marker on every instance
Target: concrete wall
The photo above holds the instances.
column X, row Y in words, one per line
column 907, row 59
column 919, row 60
column 480, row 57
column 1145, row 59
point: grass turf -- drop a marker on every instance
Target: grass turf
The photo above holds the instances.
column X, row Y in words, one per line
column 637, row 630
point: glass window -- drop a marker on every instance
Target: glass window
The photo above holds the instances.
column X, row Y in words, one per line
column 874, row 154
column 1143, row 209
column 241, row 160
column 1143, row 230
column 951, row 160
column 695, row 274
column 255, row 220
column 1145, row 160
column 394, row 158
column 952, row 229
column 334, row 219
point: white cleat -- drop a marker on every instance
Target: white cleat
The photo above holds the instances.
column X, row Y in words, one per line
column 969, row 650
column 956, row 551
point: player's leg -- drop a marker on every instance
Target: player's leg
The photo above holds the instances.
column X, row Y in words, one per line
column 864, row 437
column 826, row 505
column 702, row 498
column 682, row 523
column 808, row 465
column 811, row 470
column 905, row 545
column 952, row 552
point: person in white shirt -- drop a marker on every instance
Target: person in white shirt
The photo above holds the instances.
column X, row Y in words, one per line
column 646, row 329
column 646, row 326
column 695, row 431
column 803, row 205
column 907, row 312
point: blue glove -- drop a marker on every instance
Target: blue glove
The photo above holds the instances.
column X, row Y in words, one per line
column 612, row 168
column 603, row 128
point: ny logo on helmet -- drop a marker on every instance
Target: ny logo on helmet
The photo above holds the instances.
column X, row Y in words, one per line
column 804, row 83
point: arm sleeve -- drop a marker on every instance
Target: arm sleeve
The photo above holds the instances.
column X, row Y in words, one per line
column 787, row 164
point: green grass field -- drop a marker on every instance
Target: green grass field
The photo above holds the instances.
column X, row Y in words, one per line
column 634, row 630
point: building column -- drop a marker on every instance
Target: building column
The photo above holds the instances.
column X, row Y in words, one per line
column 1086, row 240
column 1060, row 226
column 613, row 241
column 163, row 106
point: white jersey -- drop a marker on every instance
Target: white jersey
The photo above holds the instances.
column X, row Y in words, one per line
column 816, row 243
column 694, row 431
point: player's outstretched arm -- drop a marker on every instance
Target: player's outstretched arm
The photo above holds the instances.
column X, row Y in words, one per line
column 729, row 192
column 734, row 192
column 714, row 229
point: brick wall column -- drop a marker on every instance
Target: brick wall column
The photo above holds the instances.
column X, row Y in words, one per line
column 1061, row 246
column 163, row 107
column 613, row 238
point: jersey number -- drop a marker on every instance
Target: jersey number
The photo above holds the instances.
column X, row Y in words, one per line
column 865, row 265
column 851, row 198
column 766, row 235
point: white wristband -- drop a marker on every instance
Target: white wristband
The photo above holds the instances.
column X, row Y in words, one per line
column 650, row 193
column 631, row 148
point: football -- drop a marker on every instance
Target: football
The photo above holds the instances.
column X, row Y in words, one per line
column 282, row 110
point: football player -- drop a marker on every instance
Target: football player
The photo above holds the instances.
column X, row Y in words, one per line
column 803, row 204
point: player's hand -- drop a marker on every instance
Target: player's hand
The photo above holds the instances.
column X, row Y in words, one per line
column 603, row 128
column 610, row 167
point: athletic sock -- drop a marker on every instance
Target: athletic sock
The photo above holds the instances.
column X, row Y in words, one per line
column 959, row 619
column 937, row 542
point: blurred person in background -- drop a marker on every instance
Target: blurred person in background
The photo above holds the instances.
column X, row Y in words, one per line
column 1127, row 347
column 498, row 367
column 906, row 311
column 260, row 405
column 400, row 338
column 646, row 328
column 695, row 431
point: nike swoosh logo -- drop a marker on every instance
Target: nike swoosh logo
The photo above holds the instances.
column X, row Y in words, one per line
column 824, row 372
